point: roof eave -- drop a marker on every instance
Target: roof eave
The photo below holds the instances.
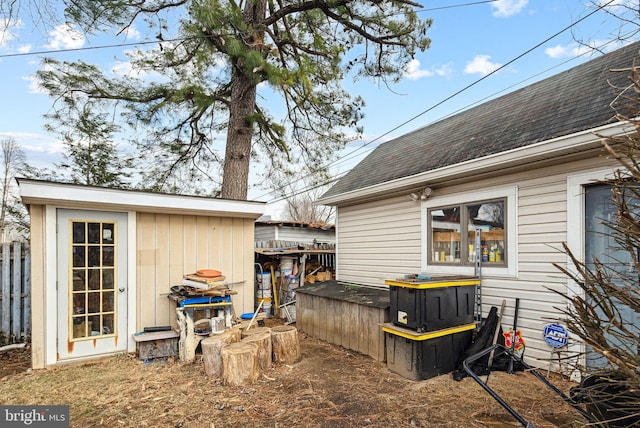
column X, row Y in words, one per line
column 36, row 192
column 529, row 155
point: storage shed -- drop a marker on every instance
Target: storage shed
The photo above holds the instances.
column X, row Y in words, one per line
column 104, row 260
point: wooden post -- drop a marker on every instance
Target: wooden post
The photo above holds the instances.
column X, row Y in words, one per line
column 263, row 342
column 240, row 363
column 286, row 348
column 212, row 352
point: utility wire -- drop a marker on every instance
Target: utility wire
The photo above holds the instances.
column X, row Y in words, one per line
column 181, row 39
column 347, row 156
column 431, row 9
column 490, row 96
column 90, row 48
column 455, row 94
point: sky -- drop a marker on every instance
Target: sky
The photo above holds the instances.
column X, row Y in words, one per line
column 479, row 50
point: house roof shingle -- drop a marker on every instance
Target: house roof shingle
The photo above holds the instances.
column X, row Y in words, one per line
column 575, row 100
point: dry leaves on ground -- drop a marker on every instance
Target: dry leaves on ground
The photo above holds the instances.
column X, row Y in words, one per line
column 330, row 387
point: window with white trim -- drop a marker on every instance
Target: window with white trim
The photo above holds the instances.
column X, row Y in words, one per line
column 452, row 230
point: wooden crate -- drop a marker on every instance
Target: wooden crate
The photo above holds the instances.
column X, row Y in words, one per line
column 158, row 344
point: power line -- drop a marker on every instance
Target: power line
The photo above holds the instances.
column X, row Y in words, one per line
column 90, row 48
column 439, row 103
column 180, row 39
column 431, row 9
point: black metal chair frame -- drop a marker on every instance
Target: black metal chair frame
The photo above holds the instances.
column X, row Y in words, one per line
column 501, row 349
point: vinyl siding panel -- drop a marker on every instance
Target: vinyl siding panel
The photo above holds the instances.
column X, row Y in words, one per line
column 382, row 239
column 378, row 241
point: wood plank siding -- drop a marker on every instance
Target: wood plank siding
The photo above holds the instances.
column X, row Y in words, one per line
column 382, row 239
column 171, row 245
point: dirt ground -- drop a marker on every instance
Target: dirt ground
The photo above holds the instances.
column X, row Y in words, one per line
column 330, row 387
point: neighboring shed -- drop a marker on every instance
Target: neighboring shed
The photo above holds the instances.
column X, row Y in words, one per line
column 269, row 232
column 519, row 168
column 103, row 262
column 311, row 245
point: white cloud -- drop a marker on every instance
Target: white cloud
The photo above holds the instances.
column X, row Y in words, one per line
column 40, row 150
column 558, row 51
column 132, row 33
column 7, row 30
column 576, row 49
column 506, row 8
column 444, row 70
column 25, row 48
column 481, row 64
column 65, row 36
column 34, row 87
column 617, row 3
column 414, row 72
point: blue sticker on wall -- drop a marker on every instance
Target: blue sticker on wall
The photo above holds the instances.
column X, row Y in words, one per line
column 556, row 335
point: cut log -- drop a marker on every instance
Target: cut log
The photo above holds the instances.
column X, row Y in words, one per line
column 263, row 341
column 235, row 332
column 245, row 323
column 240, row 364
column 188, row 339
column 284, row 341
column 257, row 330
column 212, row 352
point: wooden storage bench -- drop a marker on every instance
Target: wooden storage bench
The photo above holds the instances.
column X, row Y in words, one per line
column 344, row 314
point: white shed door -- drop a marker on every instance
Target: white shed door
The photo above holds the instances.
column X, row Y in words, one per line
column 92, row 283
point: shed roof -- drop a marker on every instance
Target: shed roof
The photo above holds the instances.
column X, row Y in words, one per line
column 94, row 197
column 295, row 224
column 575, row 100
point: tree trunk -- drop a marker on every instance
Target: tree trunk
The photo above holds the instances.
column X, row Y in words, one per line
column 235, row 179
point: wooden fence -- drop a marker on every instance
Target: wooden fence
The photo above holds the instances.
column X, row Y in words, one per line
column 15, row 299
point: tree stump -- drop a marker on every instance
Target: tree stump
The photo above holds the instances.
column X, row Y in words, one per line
column 235, row 332
column 257, row 330
column 212, row 352
column 242, row 325
column 240, row 363
column 286, row 348
column 263, row 341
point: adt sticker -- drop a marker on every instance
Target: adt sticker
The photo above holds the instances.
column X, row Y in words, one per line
column 555, row 335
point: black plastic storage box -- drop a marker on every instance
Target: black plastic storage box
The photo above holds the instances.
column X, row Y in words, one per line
column 420, row 357
column 432, row 305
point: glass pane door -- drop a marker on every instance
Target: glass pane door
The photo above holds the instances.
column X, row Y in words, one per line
column 93, row 273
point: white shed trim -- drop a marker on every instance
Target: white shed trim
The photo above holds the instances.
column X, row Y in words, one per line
column 87, row 197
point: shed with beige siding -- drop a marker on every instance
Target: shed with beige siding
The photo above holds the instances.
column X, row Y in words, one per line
column 109, row 257
column 533, row 155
